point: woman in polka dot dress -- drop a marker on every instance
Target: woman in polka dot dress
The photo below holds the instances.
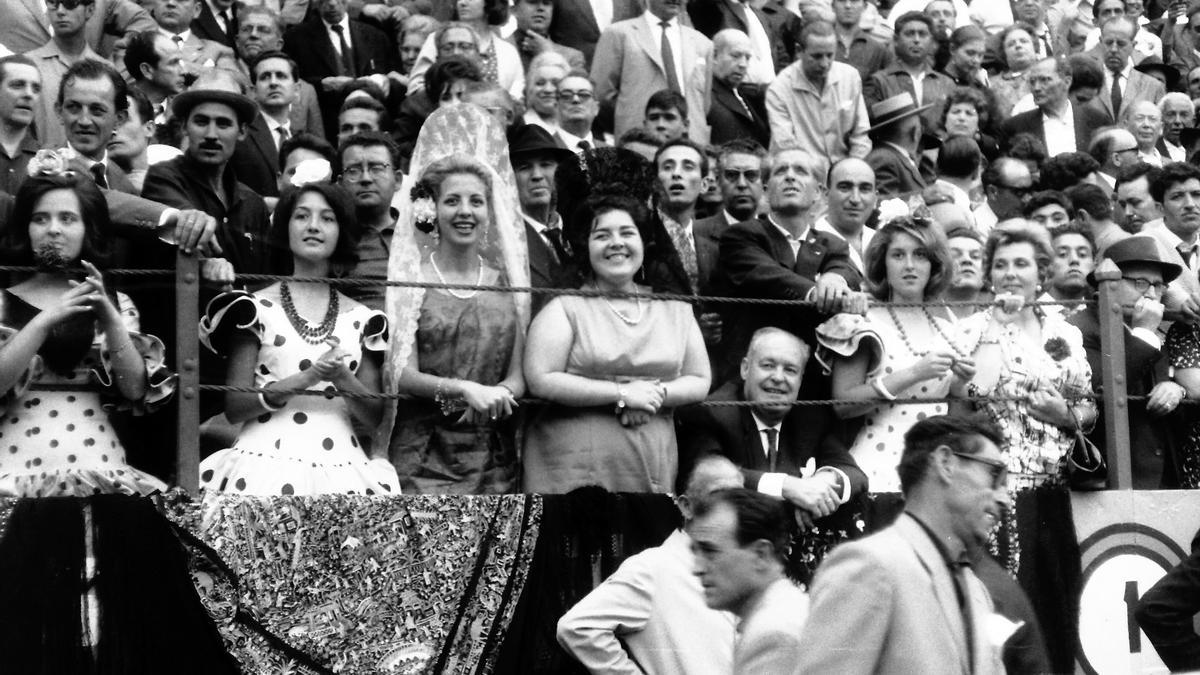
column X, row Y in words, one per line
column 56, row 329
column 300, row 444
column 895, row 353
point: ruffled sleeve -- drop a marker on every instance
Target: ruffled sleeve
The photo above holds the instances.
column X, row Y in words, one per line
column 29, row 376
column 160, row 381
column 375, row 332
column 843, row 336
column 226, row 314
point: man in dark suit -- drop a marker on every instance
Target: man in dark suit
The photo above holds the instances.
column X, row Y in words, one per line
column 535, row 158
column 713, row 16
column 256, row 159
column 739, row 177
column 577, row 110
column 575, row 23
column 217, row 21
column 738, row 110
column 779, row 255
column 786, row 451
column 896, row 135
column 1050, row 82
column 1153, row 437
column 332, row 51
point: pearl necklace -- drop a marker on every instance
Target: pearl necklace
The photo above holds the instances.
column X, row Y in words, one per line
column 637, row 299
column 313, row 335
column 461, row 296
column 929, row 317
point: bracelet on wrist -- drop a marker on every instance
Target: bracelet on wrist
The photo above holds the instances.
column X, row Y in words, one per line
column 262, row 400
column 880, row 388
column 621, row 392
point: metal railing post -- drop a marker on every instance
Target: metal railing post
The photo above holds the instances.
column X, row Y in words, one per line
column 1116, row 390
column 187, row 341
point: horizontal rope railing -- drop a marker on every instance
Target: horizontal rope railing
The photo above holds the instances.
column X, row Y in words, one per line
column 584, row 292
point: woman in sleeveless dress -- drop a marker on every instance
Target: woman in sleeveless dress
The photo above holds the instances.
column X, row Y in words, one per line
column 56, row 329
column 300, row 335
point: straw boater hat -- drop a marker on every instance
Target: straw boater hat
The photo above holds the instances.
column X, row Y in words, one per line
column 217, row 87
column 1139, row 249
column 893, row 109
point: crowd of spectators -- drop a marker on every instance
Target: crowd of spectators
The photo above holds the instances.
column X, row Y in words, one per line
column 876, row 159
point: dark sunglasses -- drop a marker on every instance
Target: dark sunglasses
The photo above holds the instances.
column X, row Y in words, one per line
column 998, row 468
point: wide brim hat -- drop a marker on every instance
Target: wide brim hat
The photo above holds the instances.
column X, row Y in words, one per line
column 531, row 139
column 243, row 107
column 1152, row 63
column 1140, row 249
column 895, row 108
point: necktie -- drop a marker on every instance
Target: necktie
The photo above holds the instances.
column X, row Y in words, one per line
column 584, row 146
column 97, row 170
column 230, row 33
column 738, row 95
column 347, row 60
column 740, row 11
column 687, row 255
column 668, row 59
column 959, row 574
column 1188, row 253
column 555, row 235
column 178, row 39
column 1116, row 95
column 772, row 448
column 284, row 134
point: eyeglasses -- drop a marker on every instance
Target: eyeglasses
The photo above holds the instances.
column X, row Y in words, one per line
column 67, row 4
column 376, row 170
column 1142, row 285
column 566, row 96
column 999, row 468
column 1019, row 191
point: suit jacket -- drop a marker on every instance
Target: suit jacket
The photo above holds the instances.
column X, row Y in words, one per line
column 712, row 16
column 888, row 605
column 769, row 634
column 808, row 432
column 1153, row 441
column 205, row 25
column 866, row 54
column 199, row 55
column 306, row 111
column 574, row 23
column 309, row 45
column 1187, row 283
column 729, row 119
column 25, row 28
column 784, row 28
column 1087, row 119
column 1165, row 613
column 256, row 159
column 895, row 80
column 895, row 176
column 573, row 56
column 1140, row 87
column 545, row 270
column 628, row 69
column 650, row 617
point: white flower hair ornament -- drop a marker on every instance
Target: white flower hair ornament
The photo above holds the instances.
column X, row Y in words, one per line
column 311, row 171
column 424, row 212
column 914, row 209
column 51, row 162
column 891, row 209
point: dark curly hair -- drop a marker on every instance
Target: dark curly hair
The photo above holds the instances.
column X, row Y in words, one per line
column 929, row 235
column 98, row 235
column 345, row 255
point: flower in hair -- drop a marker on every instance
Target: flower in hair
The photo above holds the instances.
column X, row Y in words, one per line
column 1057, row 348
column 311, row 171
column 51, row 162
column 424, row 213
column 891, row 209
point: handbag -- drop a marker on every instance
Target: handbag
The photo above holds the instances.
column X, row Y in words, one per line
column 1086, row 468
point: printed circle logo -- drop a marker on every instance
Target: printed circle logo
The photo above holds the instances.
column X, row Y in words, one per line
column 1120, row 563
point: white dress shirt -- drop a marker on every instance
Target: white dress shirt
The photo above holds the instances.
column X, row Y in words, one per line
column 1176, row 152
column 602, row 10
column 762, row 66
column 275, row 125
column 792, row 241
column 772, row 483
column 676, row 35
column 1059, row 131
column 572, row 141
column 333, row 36
column 823, row 225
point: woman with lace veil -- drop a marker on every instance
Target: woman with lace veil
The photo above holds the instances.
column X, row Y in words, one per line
column 457, row 352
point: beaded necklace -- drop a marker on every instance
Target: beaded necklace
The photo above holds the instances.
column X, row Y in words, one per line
column 461, row 296
column 637, row 299
column 313, row 335
column 933, row 322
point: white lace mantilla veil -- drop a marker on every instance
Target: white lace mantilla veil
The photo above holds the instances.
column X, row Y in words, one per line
column 459, row 129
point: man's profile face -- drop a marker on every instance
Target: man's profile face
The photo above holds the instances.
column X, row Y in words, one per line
column 679, row 177
column 1135, row 205
column 535, row 180
column 725, row 569
column 257, row 33
column 89, row 114
column 732, row 62
column 19, row 94
column 1008, row 198
column 772, row 370
column 740, row 180
column 665, row 124
column 167, row 75
column 356, row 121
column 213, row 132
column 975, row 503
column 133, row 137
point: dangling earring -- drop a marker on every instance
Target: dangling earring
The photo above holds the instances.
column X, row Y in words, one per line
column 435, row 234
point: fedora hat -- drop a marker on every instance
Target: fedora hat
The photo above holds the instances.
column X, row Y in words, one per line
column 1152, row 63
column 531, row 139
column 217, row 87
column 893, row 109
column 1139, row 249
